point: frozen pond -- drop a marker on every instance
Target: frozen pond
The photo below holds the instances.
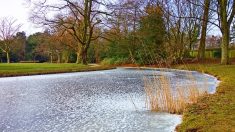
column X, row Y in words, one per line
column 111, row 100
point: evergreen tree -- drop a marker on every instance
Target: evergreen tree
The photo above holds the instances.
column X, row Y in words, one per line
column 152, row 34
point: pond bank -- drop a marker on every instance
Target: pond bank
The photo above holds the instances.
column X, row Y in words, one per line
column 214, row 112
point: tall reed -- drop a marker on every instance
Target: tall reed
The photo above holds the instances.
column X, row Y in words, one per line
column 163, row 95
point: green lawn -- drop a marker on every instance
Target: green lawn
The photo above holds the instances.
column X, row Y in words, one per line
column 213, row 112
column 17, row 69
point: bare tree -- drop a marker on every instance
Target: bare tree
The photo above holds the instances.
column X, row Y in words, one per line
column 182, row 26
column 8, row 28
column 202, row 45
column 78, row 17
column 226, row 13
column 124, row 21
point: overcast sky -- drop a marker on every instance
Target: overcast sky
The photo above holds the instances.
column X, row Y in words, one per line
column 18, row 9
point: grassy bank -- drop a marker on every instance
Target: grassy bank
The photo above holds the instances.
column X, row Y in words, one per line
column 212, row 112
column 19, row 69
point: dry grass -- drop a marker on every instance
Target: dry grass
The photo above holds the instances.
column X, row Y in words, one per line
column 162, row 95
column 212, row 113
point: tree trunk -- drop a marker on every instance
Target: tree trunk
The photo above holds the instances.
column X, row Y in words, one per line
column 66, row 59
column 65, row 56
column 8, row 57
column 78, row 57
column 202, row 46
column 51, row 58
column 82, row 55
column 58, row 58
column 225, row 20
column 225, row 46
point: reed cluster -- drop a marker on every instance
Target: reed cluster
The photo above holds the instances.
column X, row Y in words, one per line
column 165, row 95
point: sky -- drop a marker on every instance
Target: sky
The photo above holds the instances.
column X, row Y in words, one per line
column 19, row 10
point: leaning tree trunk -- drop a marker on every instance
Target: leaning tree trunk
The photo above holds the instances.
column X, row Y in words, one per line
column 202, row 45
column 8, row 57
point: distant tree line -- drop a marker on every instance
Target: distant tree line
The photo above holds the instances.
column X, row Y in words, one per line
column 38, row 47
column 121, row 31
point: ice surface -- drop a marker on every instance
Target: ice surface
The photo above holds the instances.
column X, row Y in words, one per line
column 111, row 100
